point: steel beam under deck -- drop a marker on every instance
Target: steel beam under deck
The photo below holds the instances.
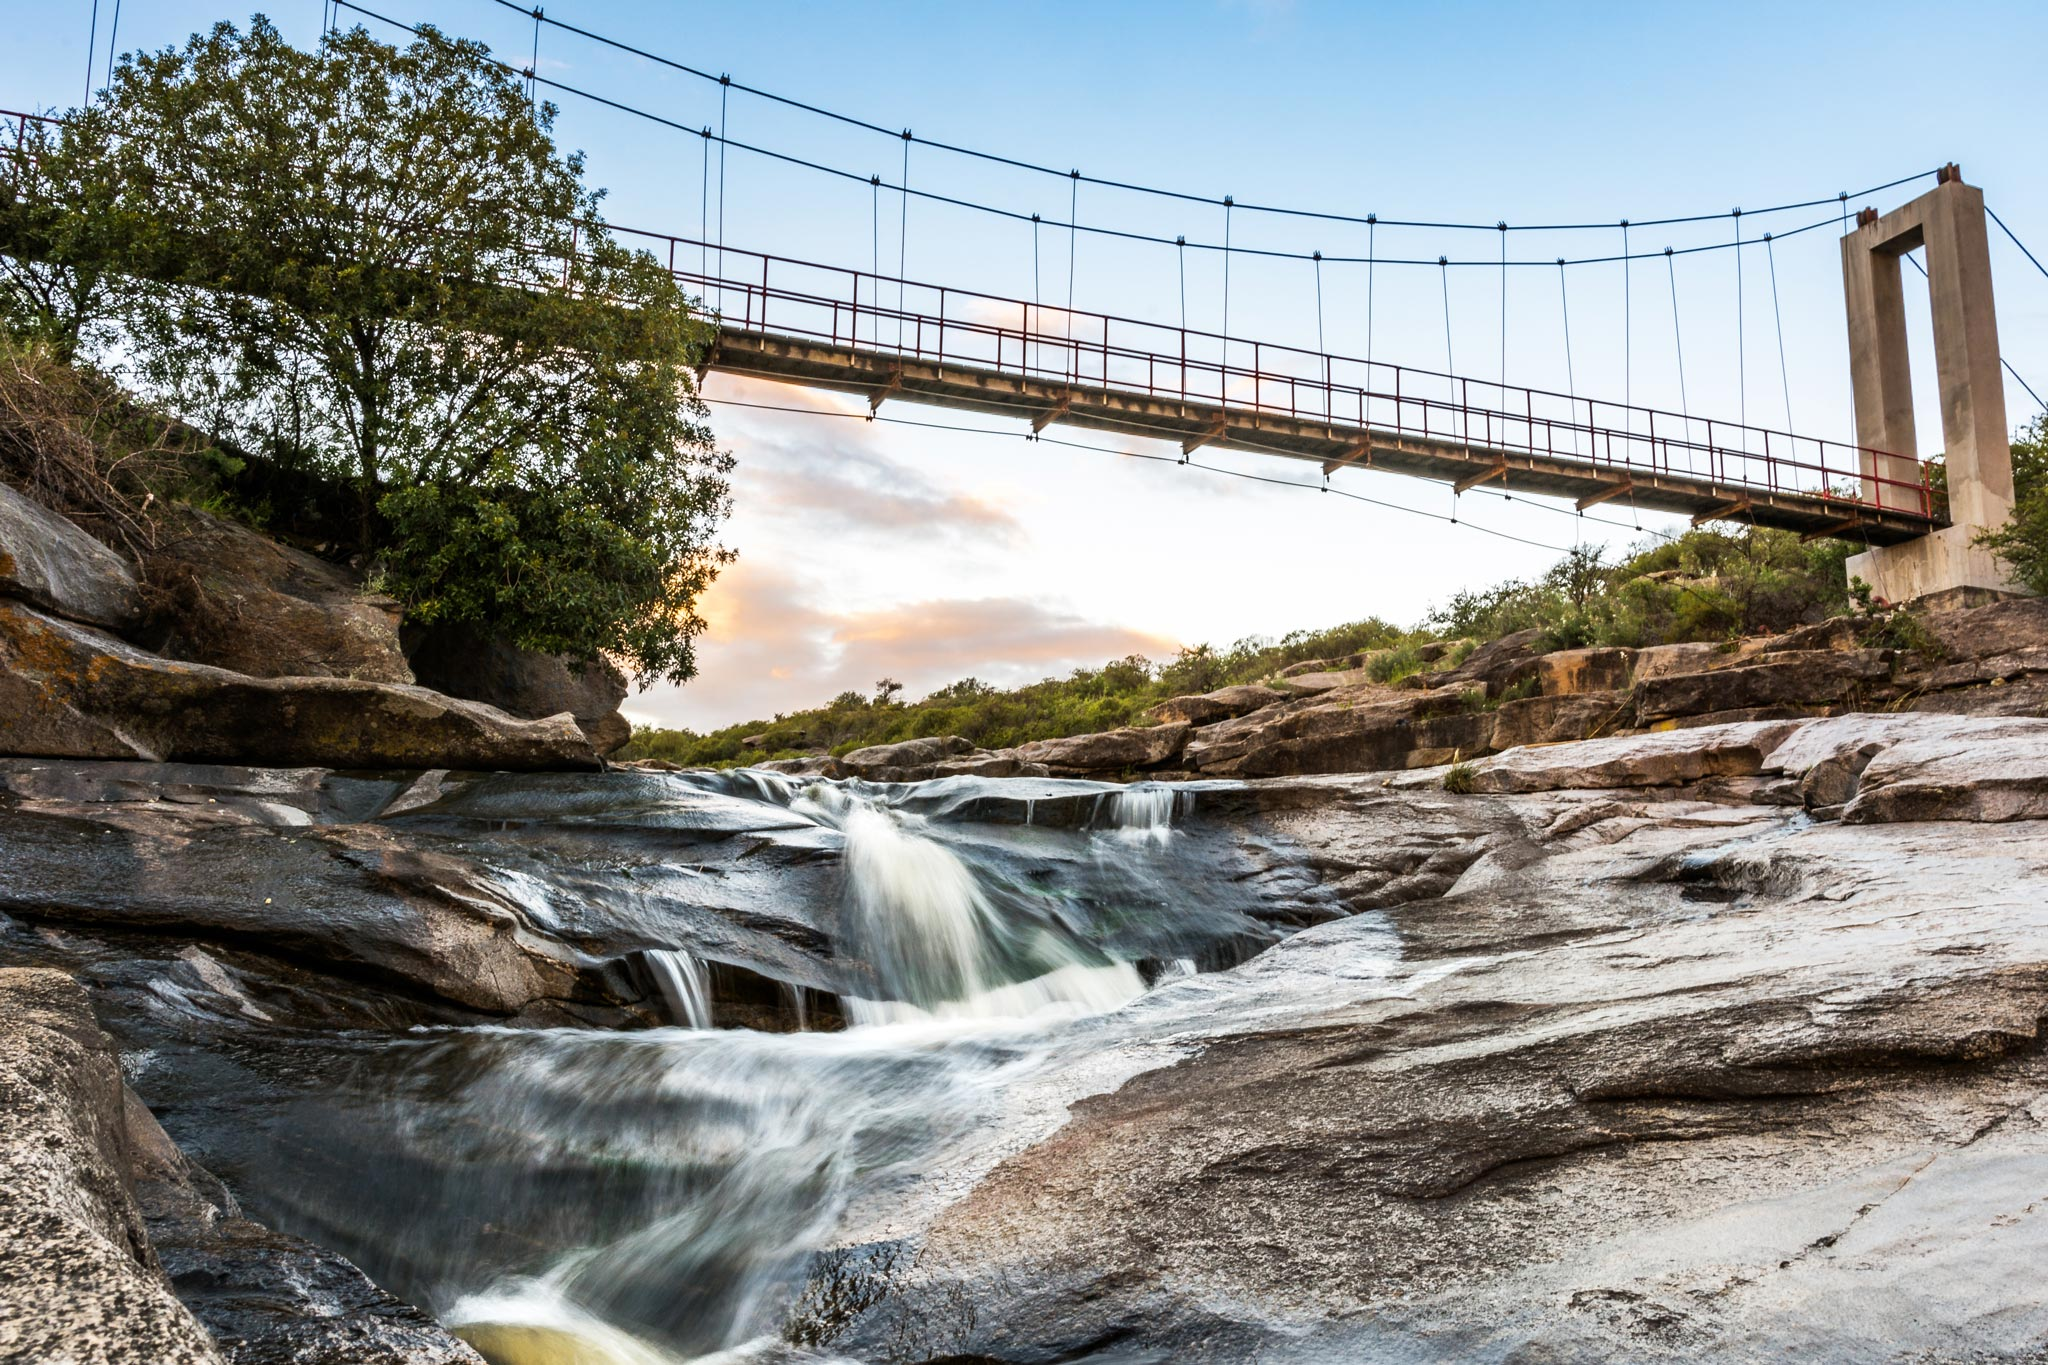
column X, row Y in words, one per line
column 877, row 374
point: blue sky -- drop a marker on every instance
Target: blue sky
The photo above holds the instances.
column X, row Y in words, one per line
column 871, row 549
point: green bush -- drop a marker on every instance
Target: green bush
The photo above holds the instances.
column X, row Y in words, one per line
column 2023, row 541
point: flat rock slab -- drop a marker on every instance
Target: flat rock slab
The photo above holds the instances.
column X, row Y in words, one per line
column 70, row 691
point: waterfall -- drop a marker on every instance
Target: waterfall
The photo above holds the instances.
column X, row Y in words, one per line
column 1142, row 814
column 938, row 941
column 684, row 983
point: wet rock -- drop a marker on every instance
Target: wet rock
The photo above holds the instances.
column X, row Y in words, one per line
column 1113, row 751
column 523, row 683
column 71, row 691
column 1780, row 678
column 235, row 599
column 355, row 898
column 268, row 1298
column 46, row 560
column 1655, row 1078
column 1223, row 704
column 78, row 1278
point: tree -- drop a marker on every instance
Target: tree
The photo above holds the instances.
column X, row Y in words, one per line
column 2023, row 541
column 374, row 264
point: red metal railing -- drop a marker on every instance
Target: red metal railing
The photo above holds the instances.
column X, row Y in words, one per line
column 904, row 319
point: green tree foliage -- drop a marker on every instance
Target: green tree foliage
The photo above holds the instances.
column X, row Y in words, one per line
column 372, row 264
column 2023, row 541
column 1706, row 584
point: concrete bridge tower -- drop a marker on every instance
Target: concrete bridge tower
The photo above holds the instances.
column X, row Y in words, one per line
column 1949, row 221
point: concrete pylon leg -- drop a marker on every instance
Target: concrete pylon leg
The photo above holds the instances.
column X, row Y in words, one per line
column 1949, row 221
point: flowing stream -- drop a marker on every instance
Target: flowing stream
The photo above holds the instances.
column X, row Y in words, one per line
column 645, row 1198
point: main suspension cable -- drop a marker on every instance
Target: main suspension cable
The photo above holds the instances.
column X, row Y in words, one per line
column 1131, row 187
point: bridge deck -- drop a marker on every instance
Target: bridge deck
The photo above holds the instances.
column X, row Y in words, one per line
column 882, row 374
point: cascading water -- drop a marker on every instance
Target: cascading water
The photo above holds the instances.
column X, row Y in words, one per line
column 684, row 984
column 939, row 944
column 644, row 1198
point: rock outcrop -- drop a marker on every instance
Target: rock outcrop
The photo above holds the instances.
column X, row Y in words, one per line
column 116, row 1249
column 79, row 1280
column 69, row 691
column 1659, row 1069
column 46, row 560
column 241, row 601
column 1132, row 749
column 523, row 683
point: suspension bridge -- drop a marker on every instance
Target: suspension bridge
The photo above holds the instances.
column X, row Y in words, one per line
column 888, row 336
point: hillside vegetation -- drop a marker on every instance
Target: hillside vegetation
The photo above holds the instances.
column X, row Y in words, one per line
column 1704, row 585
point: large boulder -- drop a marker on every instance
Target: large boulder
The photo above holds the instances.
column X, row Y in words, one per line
column 1779, row 678
column 1997, row 629
column 910, row 760
column 521, row 682
column 79, row 1281
column 46, row 560
column 69, row 691
column 1114, row 751
column 1226, row 703
column 233, row 598
column 1553, row 719
column 1569, row 672
column 1667, row 758
column 1355, row 730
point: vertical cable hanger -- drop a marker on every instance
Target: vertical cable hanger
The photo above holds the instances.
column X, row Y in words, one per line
column 1321, row 348
column 92, row 45
column 1502, row 399
column 1571, row 383
column 1180, row 246
column 1784, row 374
column 1037, row 307
column 1678, row 343
column 1229, row 203
column 874, row 259
column 1073, row 240
column 1741, row 352
column 724, row 89
column 1628, row 348
column 902, row 241
column 704, row 218
column 533, row 61
column 1443, row 272
column 113, row 42
column 1372, row 228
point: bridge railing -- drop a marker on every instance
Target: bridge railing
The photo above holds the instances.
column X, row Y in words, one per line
column 888, row 316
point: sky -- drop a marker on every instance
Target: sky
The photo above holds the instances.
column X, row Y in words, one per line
column 928, row 553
